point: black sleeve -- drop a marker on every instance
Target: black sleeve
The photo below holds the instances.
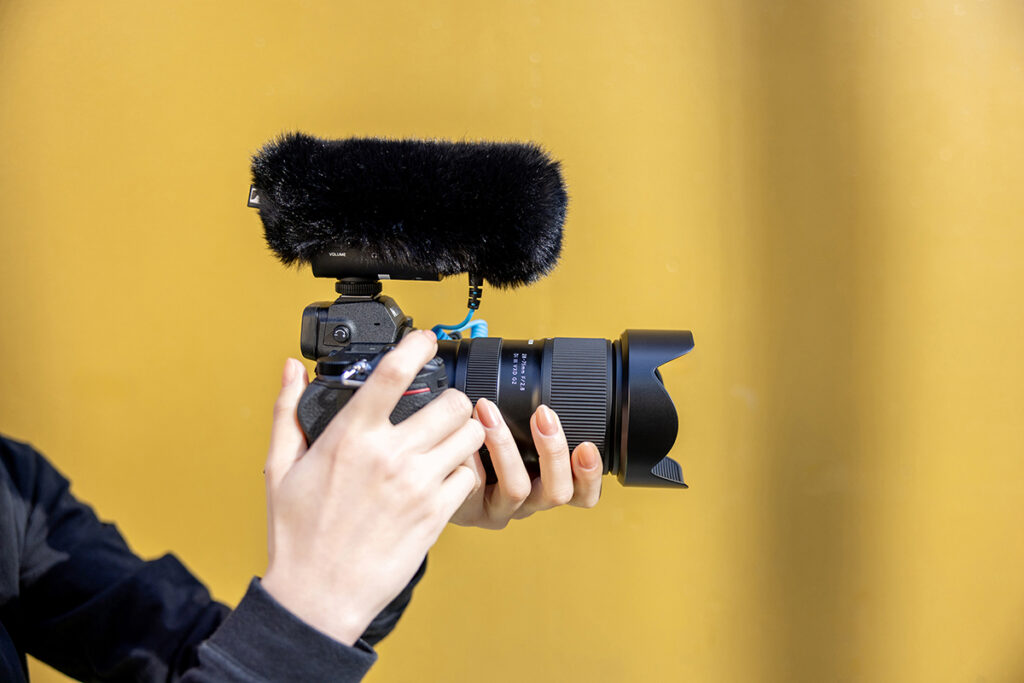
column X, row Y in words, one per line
column 89, row 607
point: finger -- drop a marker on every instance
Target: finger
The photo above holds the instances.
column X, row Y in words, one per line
column 513, row 485
column 375, row 400
column 469, row 513
column 455, row 489
column 587, row 469
column 553, row 452
column 474, row 463
column 451, row 452
column 533, row 502
column 287, row 442
column 435, row 421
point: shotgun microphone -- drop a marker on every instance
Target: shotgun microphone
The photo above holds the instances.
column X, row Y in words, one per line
column 441, row 208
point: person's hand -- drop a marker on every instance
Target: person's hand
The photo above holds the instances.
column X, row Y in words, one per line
column 574, row 479
column 351, row 518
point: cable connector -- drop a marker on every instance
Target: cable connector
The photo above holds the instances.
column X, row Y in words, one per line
column 476, row 290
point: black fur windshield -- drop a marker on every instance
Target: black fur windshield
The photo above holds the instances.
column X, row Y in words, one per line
column 494, row 209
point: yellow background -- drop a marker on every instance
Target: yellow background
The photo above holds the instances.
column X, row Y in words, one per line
column 828, row 194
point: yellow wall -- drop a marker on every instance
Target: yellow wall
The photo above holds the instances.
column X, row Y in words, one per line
column 828, row 194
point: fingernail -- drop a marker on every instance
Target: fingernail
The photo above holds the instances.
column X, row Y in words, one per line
column 547, row 421
column 488, row 413
column 429, row 334
column 289, row 373
column 589, row 457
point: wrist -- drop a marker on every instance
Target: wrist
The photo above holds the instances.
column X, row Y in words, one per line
column 325, row 613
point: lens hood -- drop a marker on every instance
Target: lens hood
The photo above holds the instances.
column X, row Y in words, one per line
column 649, row 423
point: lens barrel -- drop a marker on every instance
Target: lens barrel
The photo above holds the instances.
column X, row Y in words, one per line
column 606, row 392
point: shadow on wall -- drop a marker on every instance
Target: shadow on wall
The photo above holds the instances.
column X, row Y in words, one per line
column 804, row 168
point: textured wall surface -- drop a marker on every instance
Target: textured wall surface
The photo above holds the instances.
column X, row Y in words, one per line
column 827, row 194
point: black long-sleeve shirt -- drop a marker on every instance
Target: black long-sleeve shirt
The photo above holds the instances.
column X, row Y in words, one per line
column 73, row 595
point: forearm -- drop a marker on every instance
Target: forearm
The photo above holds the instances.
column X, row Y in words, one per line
column 262, row 641
column 88, row 606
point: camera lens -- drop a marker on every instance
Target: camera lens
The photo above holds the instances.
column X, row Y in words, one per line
column 606, row 392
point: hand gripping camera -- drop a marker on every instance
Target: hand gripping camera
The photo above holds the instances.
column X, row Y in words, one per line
column 365, row 210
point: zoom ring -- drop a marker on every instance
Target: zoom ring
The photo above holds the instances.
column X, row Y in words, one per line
column 581, row 389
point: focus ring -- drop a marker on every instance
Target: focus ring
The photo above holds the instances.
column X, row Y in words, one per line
column 482, row 369
column 581, row 389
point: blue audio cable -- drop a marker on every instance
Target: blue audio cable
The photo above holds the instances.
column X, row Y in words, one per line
column 477, row 328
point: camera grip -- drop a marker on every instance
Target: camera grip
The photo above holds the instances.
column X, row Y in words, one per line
column 325, row 396
column 319, row 403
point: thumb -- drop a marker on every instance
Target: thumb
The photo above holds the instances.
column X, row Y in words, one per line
column 287, row 442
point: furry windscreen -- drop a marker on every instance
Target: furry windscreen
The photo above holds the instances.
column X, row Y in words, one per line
column 495, row 209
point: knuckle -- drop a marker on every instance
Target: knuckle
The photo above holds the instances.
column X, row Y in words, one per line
column 390, row 370
column 478, row 481
column 476, row 433
column 517, row 492
column 504, row 445
column 553, row 447
column 558, row 496
column 339, row 440
column 457, row 403
column 282, row 408
column 413, row 494
column 388, row 465
column 558, row 450
column 341, row 423
column 434, row 510
column 414, row 490
column 424, row 505
column 502, row 441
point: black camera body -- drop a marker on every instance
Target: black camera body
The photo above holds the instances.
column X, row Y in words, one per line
column 346, row 337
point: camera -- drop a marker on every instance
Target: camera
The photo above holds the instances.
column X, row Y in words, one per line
column 366, row 210
column 609, row 392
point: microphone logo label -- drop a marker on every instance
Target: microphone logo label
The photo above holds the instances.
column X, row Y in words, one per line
column 254, row 197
